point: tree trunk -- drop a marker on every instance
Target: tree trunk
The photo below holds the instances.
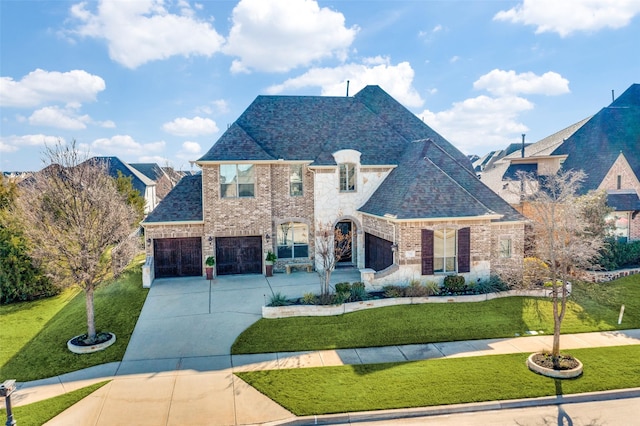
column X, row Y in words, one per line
column 91, row 325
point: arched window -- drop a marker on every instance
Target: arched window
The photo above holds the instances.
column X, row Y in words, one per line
column 347, row 177
column 293, row 240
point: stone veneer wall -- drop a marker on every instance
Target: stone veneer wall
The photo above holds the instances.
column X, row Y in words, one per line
column 605, row 276
column 485, row 258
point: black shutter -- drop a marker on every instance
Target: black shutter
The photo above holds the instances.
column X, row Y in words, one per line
column 427, row 252
column 464, row 250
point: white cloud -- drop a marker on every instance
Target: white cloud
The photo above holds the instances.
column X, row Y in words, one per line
column 500, row 82
column 277, row 36
column 141, row 31
column 108, row 124
column 190, row 126
column 62, row 118
column 14, row 143
column 40, row 86
column 397, row 80
column 477, row 123
column 125, row 146
column 218, row 106
column 566, row 17
column 189, row 147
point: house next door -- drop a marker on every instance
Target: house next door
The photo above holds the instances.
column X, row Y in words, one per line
column 239, row 255
column 177, row 257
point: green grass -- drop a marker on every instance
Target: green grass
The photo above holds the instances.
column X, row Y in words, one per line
column 326, row 390
column 593, row 307
column 40, row 412
column 34, row 335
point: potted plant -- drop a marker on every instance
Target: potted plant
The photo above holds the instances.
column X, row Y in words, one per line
column 269, row 260
column 209, row 262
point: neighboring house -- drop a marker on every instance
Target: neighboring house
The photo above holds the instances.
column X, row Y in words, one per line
column 165, row 178
column 363, row 164
column 605, row 146
column 145, row 186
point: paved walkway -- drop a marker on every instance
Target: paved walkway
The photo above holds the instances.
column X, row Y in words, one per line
column 169, row 376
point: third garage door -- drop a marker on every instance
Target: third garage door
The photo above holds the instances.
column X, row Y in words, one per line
column 239, row 255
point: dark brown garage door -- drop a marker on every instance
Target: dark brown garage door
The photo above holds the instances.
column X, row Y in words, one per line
column 177, row 257
column 239, row 255
column 378, row 253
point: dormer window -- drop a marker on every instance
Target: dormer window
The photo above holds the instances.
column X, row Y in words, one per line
column 347, row 177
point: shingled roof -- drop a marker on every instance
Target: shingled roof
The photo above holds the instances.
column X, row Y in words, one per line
column 598, row 143
column 114, row 165
column 430, row 183
column 182, row 204
column 311, row 128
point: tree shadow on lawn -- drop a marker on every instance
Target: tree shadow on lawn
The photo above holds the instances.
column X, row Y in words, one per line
column 117, row 307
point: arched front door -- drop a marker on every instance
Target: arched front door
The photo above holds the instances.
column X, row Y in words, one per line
column 345, row 242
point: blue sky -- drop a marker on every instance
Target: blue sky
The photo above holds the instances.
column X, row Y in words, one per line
column 159, row 81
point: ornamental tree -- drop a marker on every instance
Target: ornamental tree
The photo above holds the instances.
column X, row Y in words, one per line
column 74, row 216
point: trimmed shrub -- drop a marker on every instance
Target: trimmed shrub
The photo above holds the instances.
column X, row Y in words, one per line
column 454, row 284
column 358, row 292
column 309, row 299
column 341, row 297
column 343, row 287
column 416, row 289
column 492, row 285
column 393, row 291
column 617, row 255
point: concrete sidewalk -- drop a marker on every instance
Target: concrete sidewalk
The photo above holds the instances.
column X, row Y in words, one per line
column 204, row 391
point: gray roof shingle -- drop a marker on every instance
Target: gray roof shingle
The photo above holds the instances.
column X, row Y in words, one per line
column 182, row 204
column 598, row 143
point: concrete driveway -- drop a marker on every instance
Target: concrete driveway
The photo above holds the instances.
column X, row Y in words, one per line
column 193, row 317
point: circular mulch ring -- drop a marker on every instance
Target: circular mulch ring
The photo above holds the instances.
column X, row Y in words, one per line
column 79, row 345
column 542, row 363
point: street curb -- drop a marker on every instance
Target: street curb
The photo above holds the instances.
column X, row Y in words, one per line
column 404, row 413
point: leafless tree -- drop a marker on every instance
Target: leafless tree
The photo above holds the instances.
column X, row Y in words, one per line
column 75, row 216
column 565, row 238
column 331, row 246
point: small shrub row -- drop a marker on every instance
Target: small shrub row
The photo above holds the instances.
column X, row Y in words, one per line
column 617, row 255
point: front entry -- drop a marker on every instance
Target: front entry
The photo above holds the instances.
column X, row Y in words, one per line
column 238, row 255
column 346, row 248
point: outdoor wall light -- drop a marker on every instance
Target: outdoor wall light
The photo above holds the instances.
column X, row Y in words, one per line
column 210, row 239
column 148, row 240
column 267, row 237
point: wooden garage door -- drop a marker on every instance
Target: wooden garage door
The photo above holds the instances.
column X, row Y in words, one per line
column 239, row 255
column 378, row 253
column 177, row 257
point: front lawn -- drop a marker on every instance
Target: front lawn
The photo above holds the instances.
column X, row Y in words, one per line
column 40, row 412
column 593, row 307
column 326, row 390
column 34, row 334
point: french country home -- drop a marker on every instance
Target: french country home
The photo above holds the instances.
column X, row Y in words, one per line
column 366, row 165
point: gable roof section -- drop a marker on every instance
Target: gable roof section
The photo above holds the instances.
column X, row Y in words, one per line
column 151, row 170
column 182, row 204
column 598, row 143
column 114, row 165
column 431, row 184
column 312, row 128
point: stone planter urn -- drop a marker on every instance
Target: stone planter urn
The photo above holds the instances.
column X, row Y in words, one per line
column 534, row 364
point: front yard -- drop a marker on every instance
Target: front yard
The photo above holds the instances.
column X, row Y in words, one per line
column 34, row 334
column 593, row 307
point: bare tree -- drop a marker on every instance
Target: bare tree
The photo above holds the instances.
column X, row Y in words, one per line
column 75, row 216
column 331, row 246
column 565, row 237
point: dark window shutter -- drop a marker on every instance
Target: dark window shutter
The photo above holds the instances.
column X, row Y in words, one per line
column 464, row 250
column 427, row 252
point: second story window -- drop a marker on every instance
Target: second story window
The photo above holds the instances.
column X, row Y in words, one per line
column 295, row 180
column 237, row 180
column 347, row 177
